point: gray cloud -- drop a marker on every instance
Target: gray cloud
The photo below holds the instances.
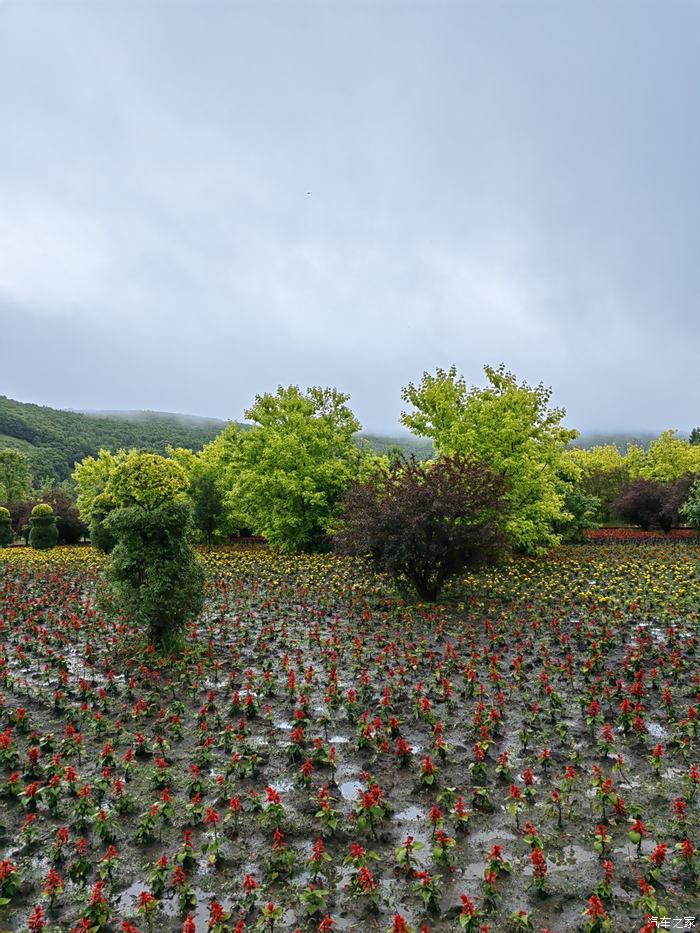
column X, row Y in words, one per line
column 199, row 201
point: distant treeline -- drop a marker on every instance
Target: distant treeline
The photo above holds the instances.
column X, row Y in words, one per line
column 618, row 439
column 55, row 440
column 287, row 474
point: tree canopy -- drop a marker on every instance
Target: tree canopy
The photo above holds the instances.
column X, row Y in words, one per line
column 15, row 476
column 147, row 480
column 285, row 475
column 605, row 472
column 91, row 476
column 510, row 427
column 55, row 440
column 669, row 457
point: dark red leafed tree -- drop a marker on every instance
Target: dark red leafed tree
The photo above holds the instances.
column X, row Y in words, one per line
column 426, row 521
column 651, row 504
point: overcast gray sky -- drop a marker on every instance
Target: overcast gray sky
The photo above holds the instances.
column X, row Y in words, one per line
column 201, row 200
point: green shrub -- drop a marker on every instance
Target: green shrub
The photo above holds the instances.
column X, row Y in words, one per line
column 43, row 530
column 99, row 536
column 691, row 510
column 156, row 579
column 581, row 510
column 7, row 535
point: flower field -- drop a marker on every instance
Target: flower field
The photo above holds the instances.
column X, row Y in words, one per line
column 323, row 756
column 623, row 534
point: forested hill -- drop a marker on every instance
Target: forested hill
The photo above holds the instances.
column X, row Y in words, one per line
column 53, row 440
column 420, row 447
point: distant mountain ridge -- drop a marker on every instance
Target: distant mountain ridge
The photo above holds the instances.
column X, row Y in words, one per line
column 141, row 415
column 53, row 439
column 421, row 447
column 619, row 439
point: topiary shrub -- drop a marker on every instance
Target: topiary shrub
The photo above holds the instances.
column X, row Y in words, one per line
column 70, row 526
column 7, row 535
column 43, row 532
column 155, row 577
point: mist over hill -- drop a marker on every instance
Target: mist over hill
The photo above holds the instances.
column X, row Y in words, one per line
column 53, row 439
column 146, row 416
column 620, row 439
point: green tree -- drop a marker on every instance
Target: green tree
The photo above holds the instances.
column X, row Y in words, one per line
column 208, row 505
column 44, row 532
column 100, row 535
column 15, row 476
column 694, row 438
column 605, row 472
column 205, row 492
column 669, row 457
column 7, row 535
column 509, row 427
column 220, row 458
column 146, row 480
column 91, row 476
column 154, row 573
column 582, row 511
column 691, row 510
column 102, row 484
column 286, row 474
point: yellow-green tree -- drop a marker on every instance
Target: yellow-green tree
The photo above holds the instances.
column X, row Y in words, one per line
column 15, row 476
column 510, row 427
column 286, row 474
column 218, row 459
column 110, row 479
column 670, row 457
column 91, row 476
column 147, row 480
column 605, row 472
